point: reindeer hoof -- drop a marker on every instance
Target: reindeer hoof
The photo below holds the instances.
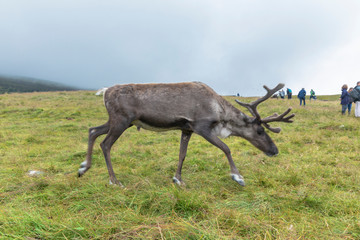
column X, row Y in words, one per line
column 239, row 179
column 116, row 183
column 178, row 182
column 83, row 164
column 81, row 171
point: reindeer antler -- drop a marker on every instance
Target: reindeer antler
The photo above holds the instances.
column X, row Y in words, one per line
column 252, row 107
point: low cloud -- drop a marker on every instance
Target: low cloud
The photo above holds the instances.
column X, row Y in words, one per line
column 235, row 47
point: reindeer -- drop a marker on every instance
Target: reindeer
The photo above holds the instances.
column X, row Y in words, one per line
column 191, row 107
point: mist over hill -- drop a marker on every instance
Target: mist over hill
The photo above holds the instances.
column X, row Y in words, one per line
column 9, row 84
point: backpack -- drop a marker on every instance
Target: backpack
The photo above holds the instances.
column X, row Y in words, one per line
column 355, row 94
column 302, row 94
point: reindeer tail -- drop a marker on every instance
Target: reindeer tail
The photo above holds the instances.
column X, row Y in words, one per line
column 101, row 91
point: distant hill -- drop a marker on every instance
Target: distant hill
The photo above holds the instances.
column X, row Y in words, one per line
column 24, row 84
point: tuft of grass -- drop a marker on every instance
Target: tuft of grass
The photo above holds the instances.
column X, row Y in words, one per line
column 309, row 191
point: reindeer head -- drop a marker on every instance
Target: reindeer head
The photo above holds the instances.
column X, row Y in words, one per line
column 255, row 132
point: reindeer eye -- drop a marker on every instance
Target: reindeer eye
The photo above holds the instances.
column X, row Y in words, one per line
column 260, row 130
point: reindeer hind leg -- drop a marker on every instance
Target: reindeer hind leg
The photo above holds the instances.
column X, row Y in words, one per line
column 94, row 133
column 185, row 138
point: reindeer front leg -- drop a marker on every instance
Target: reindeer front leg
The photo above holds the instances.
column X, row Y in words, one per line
column 213, row 139
column 185, row 138
column 114, row 133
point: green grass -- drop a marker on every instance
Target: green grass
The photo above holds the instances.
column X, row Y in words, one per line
column 309, row 191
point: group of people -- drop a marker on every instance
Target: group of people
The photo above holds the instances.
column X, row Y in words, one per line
column 348, row 97
column 301, row 95
column 288, row 92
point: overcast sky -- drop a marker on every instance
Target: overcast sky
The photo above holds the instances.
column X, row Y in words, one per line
column 233, row 46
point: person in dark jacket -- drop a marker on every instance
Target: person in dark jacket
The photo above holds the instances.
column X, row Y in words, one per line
column 289, row 93
column 345, row 99
column 301, row 96
column 351, row 100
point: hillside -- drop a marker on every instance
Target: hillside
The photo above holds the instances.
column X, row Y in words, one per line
column 23, row 84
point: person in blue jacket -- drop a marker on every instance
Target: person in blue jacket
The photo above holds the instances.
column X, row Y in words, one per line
column 345, row 99
column 289, row 93
column 301, row 96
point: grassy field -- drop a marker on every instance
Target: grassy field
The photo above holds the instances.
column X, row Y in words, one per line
column 311, row 190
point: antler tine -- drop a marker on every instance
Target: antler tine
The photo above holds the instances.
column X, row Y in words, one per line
column 275, row 117
column 279, row 118
column 275, row 130
column 253, row 105
column 269, row 93
column 250, row 107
